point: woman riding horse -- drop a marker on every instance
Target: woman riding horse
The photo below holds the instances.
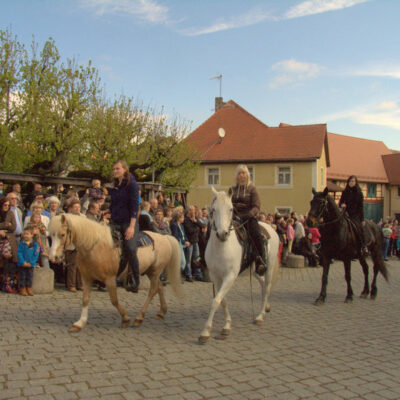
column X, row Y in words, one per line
column 352, row 201
column 124, row 218
column 246, row 204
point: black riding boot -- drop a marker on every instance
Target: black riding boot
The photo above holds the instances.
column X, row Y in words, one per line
column 261, row 263
column 364, row 239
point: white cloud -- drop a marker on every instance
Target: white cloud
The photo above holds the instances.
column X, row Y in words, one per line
column 311, row 7
column 386, row 113
column 293, row 71
column 147, row 10
column 254, row 16
column 384, row 71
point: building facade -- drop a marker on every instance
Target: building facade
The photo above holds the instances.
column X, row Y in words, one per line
column 285, row 162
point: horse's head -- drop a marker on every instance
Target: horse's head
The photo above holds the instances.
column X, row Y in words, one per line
column 61, row 237
column 221, row 213
column 319, row 205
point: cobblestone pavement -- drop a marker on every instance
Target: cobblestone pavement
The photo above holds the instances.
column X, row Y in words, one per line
column 337, row 351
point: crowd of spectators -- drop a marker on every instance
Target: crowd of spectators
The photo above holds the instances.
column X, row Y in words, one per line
column 391, row 238
column 34, row 211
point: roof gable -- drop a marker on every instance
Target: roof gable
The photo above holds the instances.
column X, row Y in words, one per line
column 355, row 156
column 391, row 163
column 248, row 139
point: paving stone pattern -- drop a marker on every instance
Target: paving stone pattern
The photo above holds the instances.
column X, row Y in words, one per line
column 337, row 351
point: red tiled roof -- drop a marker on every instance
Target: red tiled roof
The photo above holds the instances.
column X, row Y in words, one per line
column 392, row 167
column 354, row 156
column 248, row 139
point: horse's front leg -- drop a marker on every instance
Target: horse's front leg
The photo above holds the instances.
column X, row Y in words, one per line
column 111, row 285
column 222, row 291
column 347, row 274
column 364, row 294
column 87, row 289
column 322, row 296
column 154, row 282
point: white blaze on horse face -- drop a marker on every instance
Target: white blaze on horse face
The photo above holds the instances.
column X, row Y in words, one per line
column 55, row 244
column 222, row 215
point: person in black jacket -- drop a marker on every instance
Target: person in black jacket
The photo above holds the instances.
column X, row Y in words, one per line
column 192, row 228
column 124, row 218
column 352, row 200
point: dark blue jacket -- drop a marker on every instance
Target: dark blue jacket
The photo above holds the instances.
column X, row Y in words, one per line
column 177, row 233
column 124, row 201
column 27, row 254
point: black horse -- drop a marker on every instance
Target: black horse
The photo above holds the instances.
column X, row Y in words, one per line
column 340, row 241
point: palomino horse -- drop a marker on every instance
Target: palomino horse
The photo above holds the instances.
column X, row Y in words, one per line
column 98, row 259
column 339, row 241
column 223, row 257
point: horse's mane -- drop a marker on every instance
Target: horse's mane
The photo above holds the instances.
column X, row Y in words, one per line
column 86, row 231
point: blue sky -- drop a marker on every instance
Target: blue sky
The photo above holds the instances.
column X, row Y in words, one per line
column 293, row 61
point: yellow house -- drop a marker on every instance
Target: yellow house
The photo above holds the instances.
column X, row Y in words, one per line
column 392, row 167
column 285, row 162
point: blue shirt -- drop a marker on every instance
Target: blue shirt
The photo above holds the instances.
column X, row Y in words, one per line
column 44, row 212
column 124, row 201
column 27, row 254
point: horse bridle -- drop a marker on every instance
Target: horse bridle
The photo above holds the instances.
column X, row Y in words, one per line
column 214, row 227
column 324, row 208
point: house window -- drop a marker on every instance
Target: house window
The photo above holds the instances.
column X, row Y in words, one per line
column 398, row 191
column 284, row 175
column 323, row 183
column 371, row 190
column 283, row 210
column 251, row 171
column 213, row 176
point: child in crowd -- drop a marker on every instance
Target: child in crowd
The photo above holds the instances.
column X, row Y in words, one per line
column 39, row 236
column 290, row 234
column 28, row 254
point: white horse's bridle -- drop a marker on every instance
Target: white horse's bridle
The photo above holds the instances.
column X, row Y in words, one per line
column 214, row 226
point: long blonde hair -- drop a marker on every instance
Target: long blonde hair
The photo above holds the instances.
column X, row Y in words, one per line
column 243, row 168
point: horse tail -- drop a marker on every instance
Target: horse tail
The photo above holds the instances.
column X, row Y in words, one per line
column 173, row 267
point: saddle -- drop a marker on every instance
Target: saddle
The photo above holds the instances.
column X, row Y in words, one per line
column 249, row 252
column 143, row 240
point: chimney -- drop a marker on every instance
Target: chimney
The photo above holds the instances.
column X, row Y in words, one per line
column 219, row 102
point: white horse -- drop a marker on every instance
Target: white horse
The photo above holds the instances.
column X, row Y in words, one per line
column 223, row 257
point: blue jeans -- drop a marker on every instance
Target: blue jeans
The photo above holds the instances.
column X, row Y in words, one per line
column 192, row 252
column 25, row 277
column 385, row 247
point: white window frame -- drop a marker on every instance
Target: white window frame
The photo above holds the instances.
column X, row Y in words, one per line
column 290, row 208
column 252, row 179
column 277, row 167
column 208, row 175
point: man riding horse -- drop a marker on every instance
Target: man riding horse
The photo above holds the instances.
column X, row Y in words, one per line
column 246, row 204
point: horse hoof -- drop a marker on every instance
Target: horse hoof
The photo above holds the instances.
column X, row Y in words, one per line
column 137, row 322
column 373, row 296
column 268, row 308
column 363, row 295
column 225, row 332
column 125, row 324
column 258, row 322
column 159, row 316
column 348, row 300
column 319, row 302
column 203, row 339
column 75, row 328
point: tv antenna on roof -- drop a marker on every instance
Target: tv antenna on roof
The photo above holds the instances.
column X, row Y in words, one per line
column 219, row 77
